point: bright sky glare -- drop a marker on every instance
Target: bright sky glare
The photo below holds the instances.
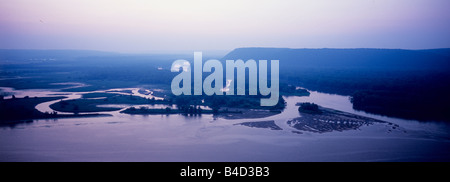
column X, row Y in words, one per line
column 170, row 25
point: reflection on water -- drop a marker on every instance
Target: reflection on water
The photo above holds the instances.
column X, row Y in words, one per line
column 342, row 103
column 45, row 106
column 123, row 137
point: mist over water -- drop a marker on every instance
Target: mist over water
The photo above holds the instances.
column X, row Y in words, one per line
column 123, row 137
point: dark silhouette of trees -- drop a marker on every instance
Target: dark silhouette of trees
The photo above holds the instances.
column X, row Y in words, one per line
column 309, row 108
column 403, row 103
column 22, row 109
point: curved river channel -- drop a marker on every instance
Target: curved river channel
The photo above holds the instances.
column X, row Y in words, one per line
column 123, row 137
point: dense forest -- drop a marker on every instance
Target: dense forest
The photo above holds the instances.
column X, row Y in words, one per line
column 23, row 108
column 411, row 84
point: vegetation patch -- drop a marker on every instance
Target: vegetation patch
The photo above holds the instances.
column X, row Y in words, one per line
column 87, row 104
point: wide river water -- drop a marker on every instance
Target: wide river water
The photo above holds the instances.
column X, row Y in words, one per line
column 123, row 137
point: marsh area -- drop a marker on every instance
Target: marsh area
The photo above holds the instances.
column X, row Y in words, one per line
column 286, row 136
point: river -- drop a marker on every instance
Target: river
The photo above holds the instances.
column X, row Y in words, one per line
column 123, row 137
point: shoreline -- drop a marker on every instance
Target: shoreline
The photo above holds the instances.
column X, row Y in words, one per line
column 23, row 110
column 330, row 120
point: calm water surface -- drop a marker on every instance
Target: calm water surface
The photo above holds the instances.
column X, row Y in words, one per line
column 123, row 137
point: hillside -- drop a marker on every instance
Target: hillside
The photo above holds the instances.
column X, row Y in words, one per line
column 411, row 84
column 348, row 58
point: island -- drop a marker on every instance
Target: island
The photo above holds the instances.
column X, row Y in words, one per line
column 261, row 124
column 310, row 108
column 22, row 110
column 317, row 119
column 90, row 102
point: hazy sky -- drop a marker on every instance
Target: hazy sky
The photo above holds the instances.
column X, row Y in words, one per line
column 148, row 26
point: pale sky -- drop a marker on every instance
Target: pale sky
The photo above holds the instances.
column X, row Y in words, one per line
column 168, row 25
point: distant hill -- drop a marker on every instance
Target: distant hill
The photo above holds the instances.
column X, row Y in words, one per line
column 348, row 58
column 411, row 84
